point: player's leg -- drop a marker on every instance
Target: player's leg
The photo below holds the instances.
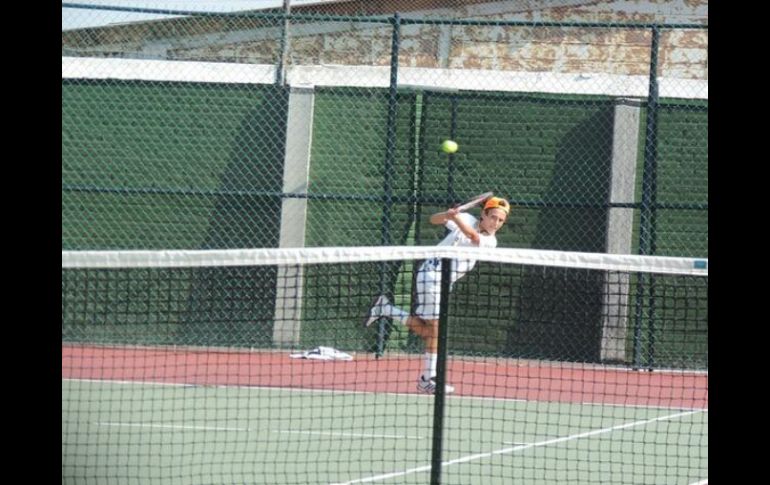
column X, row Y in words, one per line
column 424, row 323
column 427, row 329
column 382, row 307
column 426, row 326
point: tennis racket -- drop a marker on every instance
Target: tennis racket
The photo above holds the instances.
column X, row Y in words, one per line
column 473, row 202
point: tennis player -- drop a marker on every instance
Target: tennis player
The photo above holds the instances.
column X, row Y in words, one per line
column 464, row 230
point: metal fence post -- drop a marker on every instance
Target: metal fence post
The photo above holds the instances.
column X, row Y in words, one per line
column 453, row 135
column 390, row 155
column 280, row 71
column 647, row 228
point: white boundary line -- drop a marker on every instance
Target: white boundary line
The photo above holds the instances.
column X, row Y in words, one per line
column 171, row 426
column 465, row 459
column 281, row 431
column 402, row 394
column 505, row 451
column 264, row 388
column 350, row 435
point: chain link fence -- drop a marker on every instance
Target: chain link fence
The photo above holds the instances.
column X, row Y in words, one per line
column 320, row 125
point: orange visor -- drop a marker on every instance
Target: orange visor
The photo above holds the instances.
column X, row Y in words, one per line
column 497, row 203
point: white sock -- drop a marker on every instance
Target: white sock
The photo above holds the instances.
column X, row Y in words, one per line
column 430, row 365
column 396, row 313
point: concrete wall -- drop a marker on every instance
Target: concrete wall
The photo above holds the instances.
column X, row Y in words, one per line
column 683, row 54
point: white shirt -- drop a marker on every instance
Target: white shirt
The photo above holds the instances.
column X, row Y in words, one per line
column 457, row 238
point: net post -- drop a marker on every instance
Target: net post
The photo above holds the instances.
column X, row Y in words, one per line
column 439, row 396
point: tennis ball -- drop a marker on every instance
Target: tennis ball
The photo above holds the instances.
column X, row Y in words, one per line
column 449, row 146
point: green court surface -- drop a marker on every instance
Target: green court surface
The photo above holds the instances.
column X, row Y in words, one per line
column 130, row 432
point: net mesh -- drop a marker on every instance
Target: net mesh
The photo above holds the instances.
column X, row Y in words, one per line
column 254, row 366
column 316, row 124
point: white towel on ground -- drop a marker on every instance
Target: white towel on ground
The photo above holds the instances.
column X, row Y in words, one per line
column 322, row 353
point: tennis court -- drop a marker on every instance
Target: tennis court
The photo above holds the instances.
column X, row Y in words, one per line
column 195, row 417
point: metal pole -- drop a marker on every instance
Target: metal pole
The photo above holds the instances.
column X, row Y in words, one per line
column 390, row 140
column 390, row 155
column 280, row 72
column 439, row 398
column 647, row 230
column 421, row 167
column 453, row 135
column 647, row 243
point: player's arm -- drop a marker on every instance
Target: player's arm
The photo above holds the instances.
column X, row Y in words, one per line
column 441, row 218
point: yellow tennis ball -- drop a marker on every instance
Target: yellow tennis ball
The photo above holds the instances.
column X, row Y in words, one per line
column 449, row 146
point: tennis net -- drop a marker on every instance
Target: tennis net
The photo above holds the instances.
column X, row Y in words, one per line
column 253, row 366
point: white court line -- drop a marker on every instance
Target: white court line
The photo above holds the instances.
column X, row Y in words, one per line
column 342, row 391
column 702, row 482
column 171, row 426
column 282, row 431
column 265, row 388
column 504, row 451
column 356, row 435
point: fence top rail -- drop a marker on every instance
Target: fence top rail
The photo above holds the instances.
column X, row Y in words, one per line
column 388, row 19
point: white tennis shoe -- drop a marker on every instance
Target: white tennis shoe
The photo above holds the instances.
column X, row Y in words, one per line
column 428, row 386
column 377, row 310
